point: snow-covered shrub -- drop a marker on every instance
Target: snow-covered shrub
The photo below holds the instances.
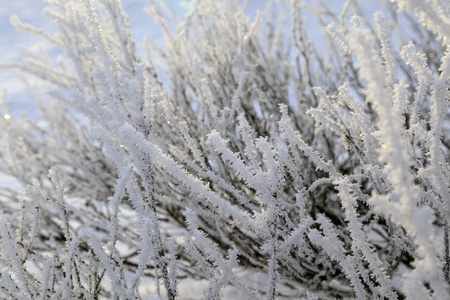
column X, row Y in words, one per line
column 240, row 146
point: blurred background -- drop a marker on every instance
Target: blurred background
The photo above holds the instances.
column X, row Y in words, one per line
column 14, row 43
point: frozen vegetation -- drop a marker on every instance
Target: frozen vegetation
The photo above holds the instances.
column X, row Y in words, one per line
column 245, row 155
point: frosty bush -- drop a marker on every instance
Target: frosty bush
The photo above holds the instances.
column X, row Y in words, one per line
column 240, row 146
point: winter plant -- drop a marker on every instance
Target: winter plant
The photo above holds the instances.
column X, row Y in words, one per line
column 241, row 146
